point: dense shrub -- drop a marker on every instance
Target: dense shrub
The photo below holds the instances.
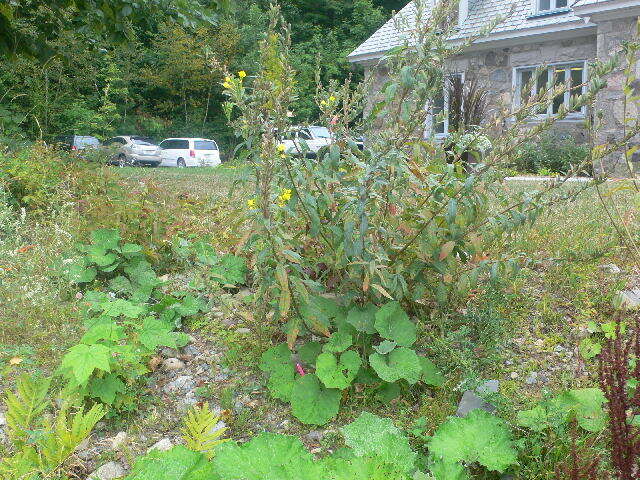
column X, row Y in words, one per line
column 551, row 154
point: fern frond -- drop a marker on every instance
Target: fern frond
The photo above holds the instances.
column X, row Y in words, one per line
column 200, row 430
column 64, row 438
column 21, row 466
column 25, row 407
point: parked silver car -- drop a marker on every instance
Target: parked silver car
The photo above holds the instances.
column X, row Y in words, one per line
column 133, row 150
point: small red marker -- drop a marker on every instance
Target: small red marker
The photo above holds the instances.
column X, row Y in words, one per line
column 300, row 369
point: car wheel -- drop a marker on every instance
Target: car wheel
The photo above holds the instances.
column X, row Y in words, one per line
column 181, row 163
column 122, row 160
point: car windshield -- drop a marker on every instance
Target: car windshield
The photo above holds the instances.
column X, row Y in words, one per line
column 87, row 141
column 142, row 141
column 320, row 132
column 204, row 145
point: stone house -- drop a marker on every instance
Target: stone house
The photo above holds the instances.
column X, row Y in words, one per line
column 563, row 36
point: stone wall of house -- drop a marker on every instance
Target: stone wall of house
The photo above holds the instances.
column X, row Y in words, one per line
column 610, row 104
column 495, row 69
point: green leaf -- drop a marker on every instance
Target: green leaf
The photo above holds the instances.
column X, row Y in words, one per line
column 130, row 249
column 119, row 306
column 363, row 318
column 388, row 392
column 309, row 352
column 106, row 238
column 120, row 284
column 479, row 437
column 78, row 272
column 385, row 347
column 267, row 456
column 338, row 342
column 156, row 333
column 400, row 363
column 336, row 374
column 394, row 324
column 585, row 405
column 312, row 403
column 189, row 306
column 370, row 435
column 277, row 363
column 589, row 348
column 179, row 463
column 106, row 388
column 82, row 360
column 230, row 270
column 430, row 373
column 100, row 256
column 442, row 470
column 205, row 253
column 103, row 328
column 141, row 273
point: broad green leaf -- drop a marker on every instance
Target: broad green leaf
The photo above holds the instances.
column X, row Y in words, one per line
column 370, row 435
column 267, row 456
column 277, row 363
column 103, row 328
column 394, row 324
column 100, row 256
column 430, row 373
column 141, row 273
column 156, row 333
column 82, row 360
column 315, row 318
column 338, row 374
column 385, row 347
column 189, row 306
column 443, row 470
column 120, row 284
column 119, row 306
column 179, row 463
column 78, row 272
column 230, row 270
column 106, row 238
column 585, row 405
column 130, row 249
column 312, row 403
column 338, row 342
column 363, row 318
column 388, row 392
column 479, row 437
column 350, row 467
column 401, row 363
column 205, row 253
column 106, row 388
column 309, row 352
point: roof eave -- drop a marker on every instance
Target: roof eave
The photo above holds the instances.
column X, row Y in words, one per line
column 608, row 9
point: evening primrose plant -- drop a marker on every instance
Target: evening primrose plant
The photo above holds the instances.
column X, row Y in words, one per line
column 355, row 250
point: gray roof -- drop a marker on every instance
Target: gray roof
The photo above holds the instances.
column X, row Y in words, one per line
column 481, row 13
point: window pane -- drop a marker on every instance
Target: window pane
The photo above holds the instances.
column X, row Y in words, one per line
column 525, row 85
column 204, row 145
column 559, row 80
column 438, row 109
column 561, row 3
column 541, row 91
column 577, row 78
column 545, row 4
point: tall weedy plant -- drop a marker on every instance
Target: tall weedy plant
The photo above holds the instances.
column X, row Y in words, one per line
column 349, row 244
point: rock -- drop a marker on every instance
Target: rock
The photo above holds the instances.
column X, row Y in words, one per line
column 218, row 426
column 314, row 436
column 161, row 445
column 471, row 401
column 532, row 379
column 3, row 419
column 167, row 352
column 243, row 331
column 183, row 383
column 119, row 440
column 108, row 471
column 627, row 299
column 610, row 268
column 172, row 364
column 514, row 375
column 191, row 350
column 186, row 402
column 244, row 292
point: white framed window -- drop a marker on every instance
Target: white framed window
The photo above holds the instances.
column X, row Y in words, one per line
column 551, row 5
column 534, row 81
column 441, row 106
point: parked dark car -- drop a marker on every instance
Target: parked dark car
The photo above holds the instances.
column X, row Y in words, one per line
column 77, row 142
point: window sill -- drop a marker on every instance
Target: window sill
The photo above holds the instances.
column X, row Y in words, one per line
column 549, row 13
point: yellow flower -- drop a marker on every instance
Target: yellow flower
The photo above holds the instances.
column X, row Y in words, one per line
column 242, row 74
column 15, row 361
column 323, row 103
column 343, row 170
column 281, row 147
column 227, row 79
column 251, row 203
column 332, row 99
column 226, row 85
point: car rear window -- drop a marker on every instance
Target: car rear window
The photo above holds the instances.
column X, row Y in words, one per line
column 142, row 141
column 205, row 145
column 87, row 141
column 175, row 144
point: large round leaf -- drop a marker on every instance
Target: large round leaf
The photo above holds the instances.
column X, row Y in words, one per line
column 336, row 374
column 312, row 403
column 363, row 318
column 393, row 323
column 400, row 363
column 277, row 363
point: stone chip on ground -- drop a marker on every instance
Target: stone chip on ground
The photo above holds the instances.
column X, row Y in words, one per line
column 108, row 471
column 161, row 445
column 472, row 401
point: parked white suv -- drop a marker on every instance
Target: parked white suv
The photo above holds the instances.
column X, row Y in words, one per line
column 189, row 152
column 306, row 140
column 132, row 150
